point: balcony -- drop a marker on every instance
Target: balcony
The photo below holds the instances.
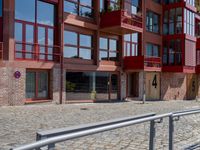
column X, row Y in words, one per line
column 36, row 52
column 142, row 63
column 119, row 22
column 1, row 51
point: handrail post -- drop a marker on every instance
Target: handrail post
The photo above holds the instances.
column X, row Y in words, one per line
column 171, row 132
column 152, row 135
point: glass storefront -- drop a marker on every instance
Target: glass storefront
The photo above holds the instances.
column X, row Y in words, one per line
column 91, row 85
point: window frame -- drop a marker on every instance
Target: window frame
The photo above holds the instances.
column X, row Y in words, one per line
column 151, row 28
column 78, row 46
column 79, row 5
column 108, row 50
column 36, row 46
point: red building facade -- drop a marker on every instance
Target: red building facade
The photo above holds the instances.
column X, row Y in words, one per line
column 104, row 50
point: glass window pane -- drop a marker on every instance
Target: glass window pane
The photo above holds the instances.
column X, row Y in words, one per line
column 30, row 85
column 85, row 12
column 113, row 45
column 70, row 52
column 29, row 33
column 50, row 37
column 41, row 35
column 18, row 31
column 18, row 48
column 103, row 55
column 85, row 40
column 25, row 10
column 85, row 53
column 70, row 38
column 70, row 7
column 103, row 43
column 45, row 17
column 43, row 84
column 86, row 2
column 1, row 6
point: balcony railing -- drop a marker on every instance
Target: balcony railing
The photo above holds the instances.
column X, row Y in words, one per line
column 132, row 20
column 38, row 52
column 152, row 61
column 120, row 21
column 1, row 51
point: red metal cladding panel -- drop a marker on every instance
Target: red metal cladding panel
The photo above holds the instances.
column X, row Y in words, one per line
column 190, row 53
column 110, row 19
column 198, row 43
column 1, row 29
column 133, row 62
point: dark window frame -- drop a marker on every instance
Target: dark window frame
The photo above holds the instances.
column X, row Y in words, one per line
column 108, row 50
column 79, row 5
column 36, row 47
column 78, row 46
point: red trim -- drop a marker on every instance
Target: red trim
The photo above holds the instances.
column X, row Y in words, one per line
column 142, row 63
column 120, row 19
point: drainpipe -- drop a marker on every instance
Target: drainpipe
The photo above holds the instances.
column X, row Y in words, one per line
column 61, row 20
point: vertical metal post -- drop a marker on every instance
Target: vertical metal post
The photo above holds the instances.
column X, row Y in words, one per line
column 171, row 133
column 152, row 135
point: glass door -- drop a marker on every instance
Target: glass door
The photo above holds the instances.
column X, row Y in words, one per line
column 42, row 84
column 30, row 84
column 37, row 85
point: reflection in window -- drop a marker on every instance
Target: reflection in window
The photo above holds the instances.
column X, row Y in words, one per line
column 152, row 22
column 131, row 44
column 30, row 20
column 25, row 10
column 46, row 18
column 152, row 50
column 172, row 55
column 1, row 8
column 108, row 49
column 173, row 21
column 77, row 45
column 82, row 8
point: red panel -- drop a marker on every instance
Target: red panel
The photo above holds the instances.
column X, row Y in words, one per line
column 1, row 29
column 110, row 19
column 134, row 62
column 120, row 20
column 198, row 43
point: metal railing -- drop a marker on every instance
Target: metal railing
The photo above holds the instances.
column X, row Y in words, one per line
column 35, row 51
column 77, row 133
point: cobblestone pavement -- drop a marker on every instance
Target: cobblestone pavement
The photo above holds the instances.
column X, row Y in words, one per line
column 18, row 125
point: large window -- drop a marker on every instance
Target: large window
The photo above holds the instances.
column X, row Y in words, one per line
column 37, row 84
column 91, row 85
column 172, row 54
column 152, row 22
column 131, row 44
column 108, row 49
column 189, row 22
column 34, row 29
column 1, row 8
column 173, row 19
column 77, row 45
column 82, row 8
column 152, row 50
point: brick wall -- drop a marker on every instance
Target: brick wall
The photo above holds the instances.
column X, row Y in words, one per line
column 12, row 90
column 173, row 86
column 55, row 85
